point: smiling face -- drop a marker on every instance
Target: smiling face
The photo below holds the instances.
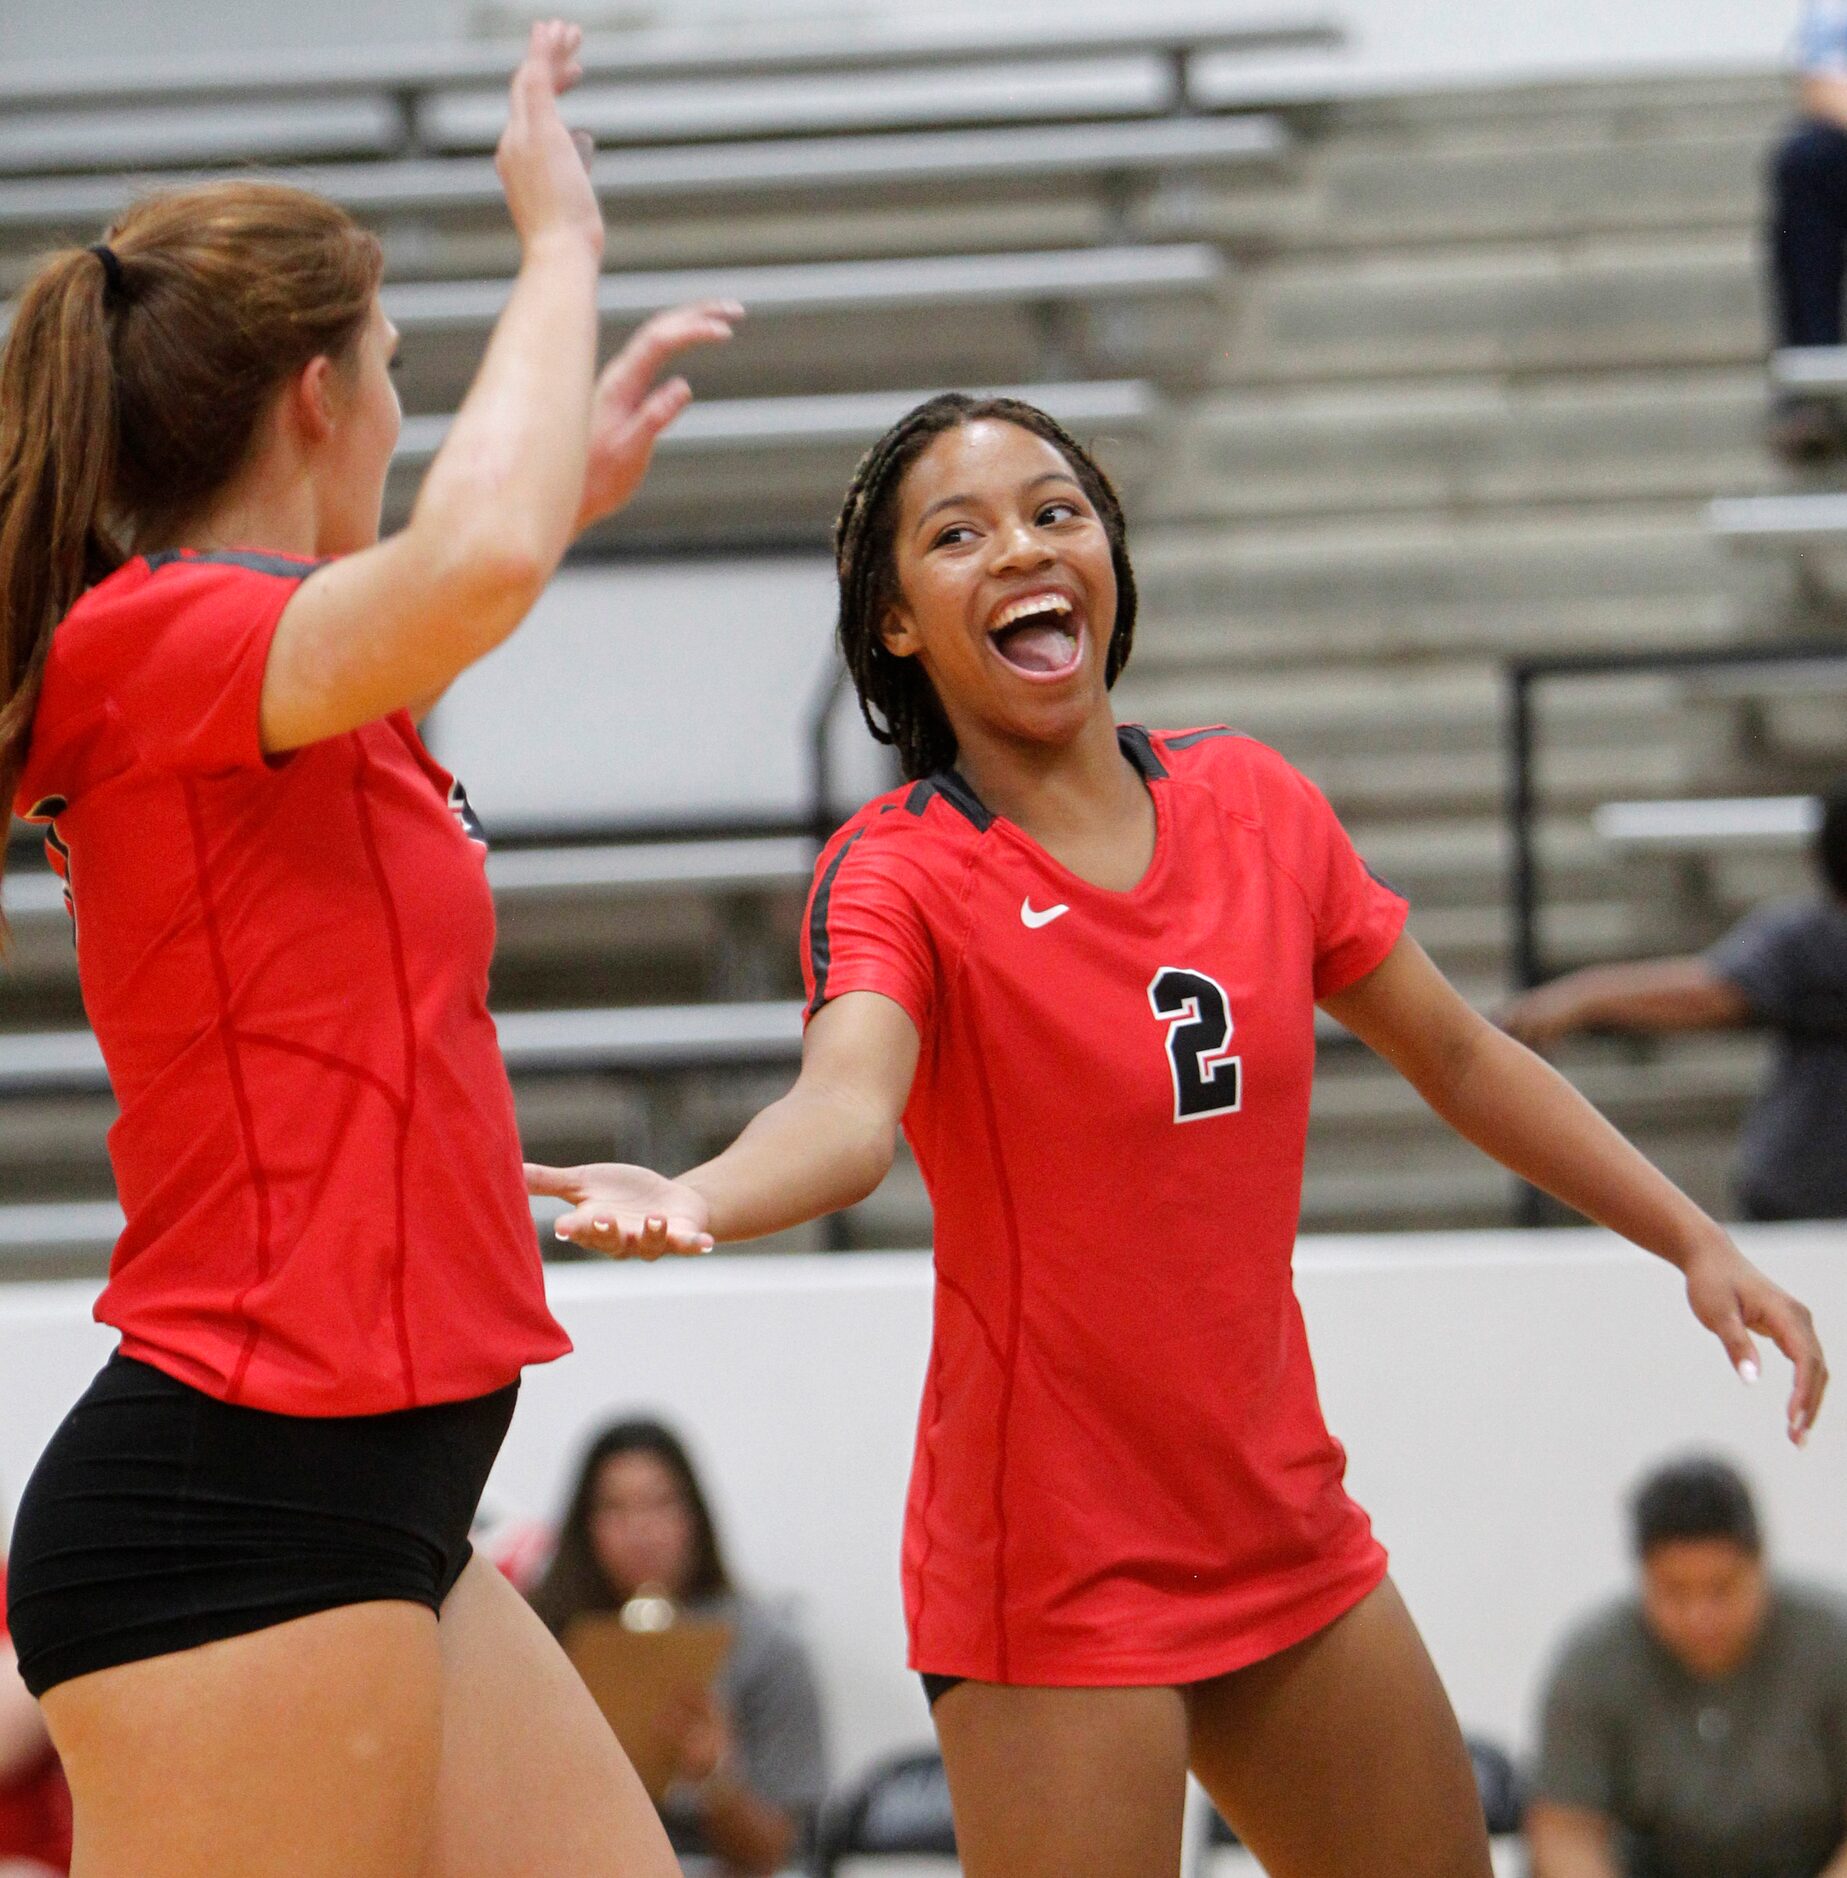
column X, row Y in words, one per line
column 1006, row 588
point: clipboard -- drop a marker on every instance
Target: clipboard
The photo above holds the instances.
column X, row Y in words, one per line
column 632, row 1675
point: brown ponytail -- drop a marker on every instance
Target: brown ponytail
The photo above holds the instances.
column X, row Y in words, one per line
column 133, row 388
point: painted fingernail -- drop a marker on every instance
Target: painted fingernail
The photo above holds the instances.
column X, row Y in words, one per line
column 602, row 1225
column 1748, row 1370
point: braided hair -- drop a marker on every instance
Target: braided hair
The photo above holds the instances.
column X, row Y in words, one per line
column 896, row 698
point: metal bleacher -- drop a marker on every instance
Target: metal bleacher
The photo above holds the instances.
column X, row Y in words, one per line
column 896, row 217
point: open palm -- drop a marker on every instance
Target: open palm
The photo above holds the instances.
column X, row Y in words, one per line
column 630, row 410
column 627, row 1212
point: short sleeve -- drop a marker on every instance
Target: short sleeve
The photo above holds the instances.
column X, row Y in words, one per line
column 1578, row 1745
column 184, row 675
column 1357, row 916
column 1762, row 957
column 866, row 930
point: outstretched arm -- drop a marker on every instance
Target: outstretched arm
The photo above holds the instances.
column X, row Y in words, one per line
column 539, row 450
column 825, row 1145
column 1496, row 1093
column 1652, row 994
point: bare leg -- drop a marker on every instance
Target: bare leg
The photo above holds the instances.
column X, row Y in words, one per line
column 1341, row 1758
column 307, row 1750
column 1065, row 1783
column 533, row 1784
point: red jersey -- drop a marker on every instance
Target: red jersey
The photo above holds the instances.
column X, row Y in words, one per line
column 35, row 1812
column 285, row 963
column 1122, row 1474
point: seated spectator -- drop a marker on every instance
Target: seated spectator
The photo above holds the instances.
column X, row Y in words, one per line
column 35, row 1805
column 751, row 1763
column 1700, row 1729
column 1808, row 224
column 1784, row 968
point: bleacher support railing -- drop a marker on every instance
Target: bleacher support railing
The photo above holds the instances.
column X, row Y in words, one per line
column 1525, row 678
column 411, row 80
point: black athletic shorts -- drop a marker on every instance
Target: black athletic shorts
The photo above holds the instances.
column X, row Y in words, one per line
column 160, row 1518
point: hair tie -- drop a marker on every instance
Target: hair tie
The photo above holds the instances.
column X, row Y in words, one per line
column 115, row 283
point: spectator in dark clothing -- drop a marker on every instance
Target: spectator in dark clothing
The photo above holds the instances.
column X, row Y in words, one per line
column 1808, row 224
column 1783, row 968
column 752, row 1763
column 1698, row 1730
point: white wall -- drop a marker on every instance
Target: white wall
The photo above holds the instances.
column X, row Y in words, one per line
column 1498, row 1395
column 1409, row 35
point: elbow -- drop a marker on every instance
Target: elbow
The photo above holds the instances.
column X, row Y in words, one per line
column 873, row 1156
column 489, row 562
column 499, row 574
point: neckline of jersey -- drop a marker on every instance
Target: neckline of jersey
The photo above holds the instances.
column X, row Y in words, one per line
column 1150, row 774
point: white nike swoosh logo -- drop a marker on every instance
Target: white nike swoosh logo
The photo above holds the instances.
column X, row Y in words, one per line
column 1031, row 916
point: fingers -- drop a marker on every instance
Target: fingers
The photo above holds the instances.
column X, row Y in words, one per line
column 664, row 337
column 556, row 1183
column 662, row 406
column 630, row 1236
column 1789, row 1324
column 1739, row 1345
column 551, row 63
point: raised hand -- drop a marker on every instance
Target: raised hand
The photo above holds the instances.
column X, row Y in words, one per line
column 544, row 168
column 1732, row 1298
column 626, row 1212
column 629, row 410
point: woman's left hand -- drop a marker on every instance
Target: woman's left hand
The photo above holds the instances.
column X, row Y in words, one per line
column 705, row 1742
column 629, row 411
column 1732, row 1298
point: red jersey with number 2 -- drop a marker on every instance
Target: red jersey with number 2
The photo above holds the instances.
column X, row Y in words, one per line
column 1122, row 1473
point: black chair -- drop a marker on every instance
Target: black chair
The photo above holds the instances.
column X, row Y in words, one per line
column 1503, row 1795
column 898, row 1809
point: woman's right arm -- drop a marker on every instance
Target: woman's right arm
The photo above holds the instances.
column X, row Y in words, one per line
column 825, row 1145
column 536, row 439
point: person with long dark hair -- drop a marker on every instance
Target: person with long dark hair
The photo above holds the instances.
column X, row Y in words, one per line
column 750, row 1759
column 229, row 1565
column 1079, row 961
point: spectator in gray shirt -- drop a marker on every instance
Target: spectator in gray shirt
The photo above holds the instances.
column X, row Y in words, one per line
column 752, row 1766
column 1700, row 1729
column 1783, row 968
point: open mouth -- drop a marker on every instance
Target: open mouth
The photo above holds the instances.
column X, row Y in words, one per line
column 1039, row 635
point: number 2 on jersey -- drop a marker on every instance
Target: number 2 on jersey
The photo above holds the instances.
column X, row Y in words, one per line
column 1208, row 1080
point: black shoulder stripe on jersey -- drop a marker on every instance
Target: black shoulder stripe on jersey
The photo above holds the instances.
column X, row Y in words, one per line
column 820, row 951
column 953, row 787
column 284, row 566
column 1202, row 736
column 1139, row 748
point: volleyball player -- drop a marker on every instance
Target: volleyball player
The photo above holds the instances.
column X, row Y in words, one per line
column 1081, row 961
column 228, row 1567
